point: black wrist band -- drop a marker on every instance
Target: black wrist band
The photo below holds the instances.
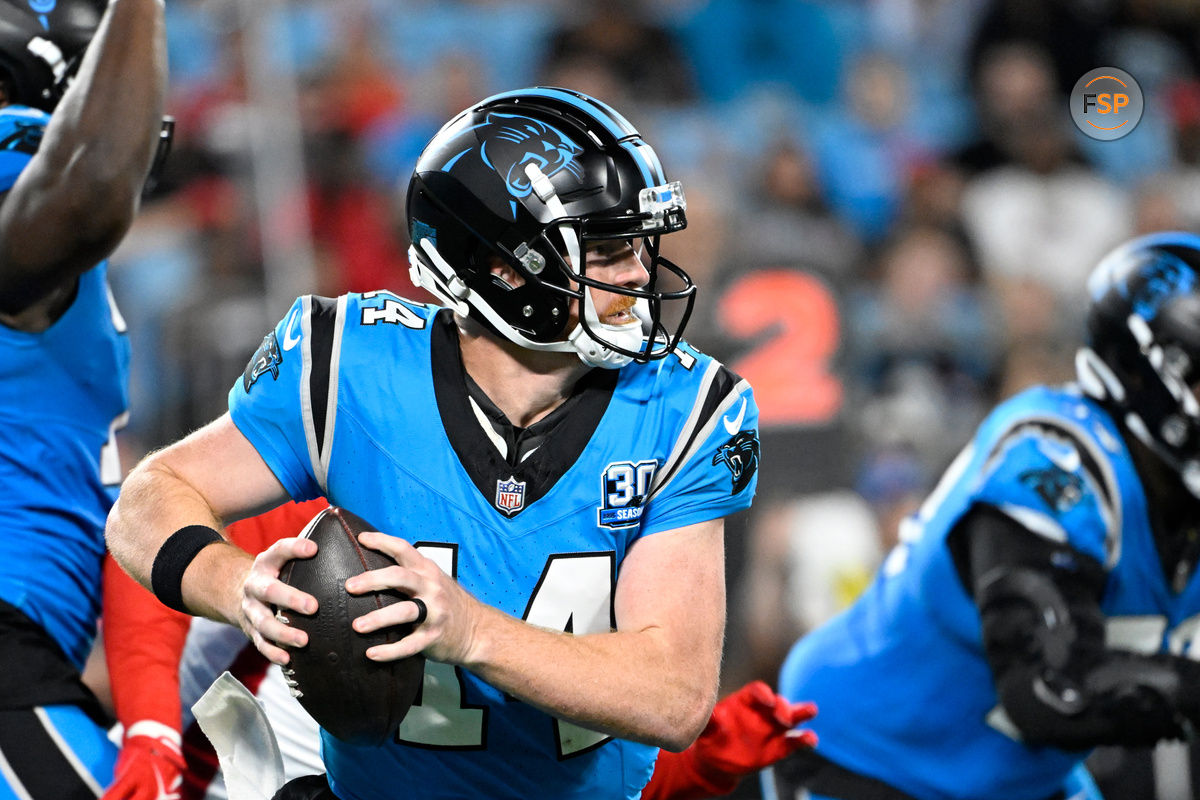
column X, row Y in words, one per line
column 176, row 553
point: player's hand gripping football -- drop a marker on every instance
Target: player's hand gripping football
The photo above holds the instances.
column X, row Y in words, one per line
column 262, row 589
column 445, row 615
column 149, row 766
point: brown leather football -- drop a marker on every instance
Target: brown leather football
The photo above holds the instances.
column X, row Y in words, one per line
column 354, row 698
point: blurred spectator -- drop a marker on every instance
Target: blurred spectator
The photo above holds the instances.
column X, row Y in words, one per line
column 930, row 38
column 1068, row 31
column 620, row 39
column 505, row 38
column 1156, row 206
column 937, row 33
column 1014, row 87
column 922, row 345
column 1156, row 41
column 358, row 85
column 393, row 141
column 1043, row 220
column 787, row 221
column 865, row 147
column 933, row 196
column 592, row 74
column 351, row 221
column 736, row 45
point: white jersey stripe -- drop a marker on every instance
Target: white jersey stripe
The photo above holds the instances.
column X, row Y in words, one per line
column 10, row 777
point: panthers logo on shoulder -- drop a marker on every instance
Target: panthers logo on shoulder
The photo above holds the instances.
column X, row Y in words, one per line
column 266, row 358
column 510, row 141
column 25, row 137
column 1059, row 490
column 740, row 455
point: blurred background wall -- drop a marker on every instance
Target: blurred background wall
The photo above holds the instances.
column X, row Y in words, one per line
column 891, row 214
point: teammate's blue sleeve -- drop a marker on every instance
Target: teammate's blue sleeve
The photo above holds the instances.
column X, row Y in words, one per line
column 716, row 471
column 1044, row 482
column 266, row 402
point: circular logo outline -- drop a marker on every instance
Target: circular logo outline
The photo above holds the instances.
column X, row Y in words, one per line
column 1092, row 108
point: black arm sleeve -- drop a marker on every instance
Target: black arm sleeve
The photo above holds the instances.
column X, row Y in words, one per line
column 1043, row 632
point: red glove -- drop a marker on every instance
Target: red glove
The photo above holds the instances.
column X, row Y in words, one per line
column 150, row 764
column 749, row 730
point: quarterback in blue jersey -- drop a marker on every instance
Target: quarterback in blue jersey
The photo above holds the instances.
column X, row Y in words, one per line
column 548, row 462
column 79, row 126
column 1045, row 598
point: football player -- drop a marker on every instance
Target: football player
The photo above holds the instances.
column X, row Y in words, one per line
column 1045, row 599
column 79, row 128
column 549, row 462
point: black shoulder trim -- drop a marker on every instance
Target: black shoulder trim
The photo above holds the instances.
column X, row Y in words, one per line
column 322, row 323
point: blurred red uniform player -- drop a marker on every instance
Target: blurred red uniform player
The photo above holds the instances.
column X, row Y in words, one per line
column 148, row 644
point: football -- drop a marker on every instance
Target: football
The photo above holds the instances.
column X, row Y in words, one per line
column 358, row 700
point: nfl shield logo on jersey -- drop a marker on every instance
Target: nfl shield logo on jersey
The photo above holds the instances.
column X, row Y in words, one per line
column 510, row 495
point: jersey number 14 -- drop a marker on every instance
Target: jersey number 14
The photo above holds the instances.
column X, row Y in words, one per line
column 574, row 594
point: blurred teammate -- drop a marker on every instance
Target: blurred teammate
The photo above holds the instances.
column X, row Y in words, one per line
column 553, row 465
column 1044, row 600
column 78, row 133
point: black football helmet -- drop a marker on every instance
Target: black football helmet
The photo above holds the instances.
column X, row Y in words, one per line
column 530, row 177
column 1143, row 349
column 41, row 45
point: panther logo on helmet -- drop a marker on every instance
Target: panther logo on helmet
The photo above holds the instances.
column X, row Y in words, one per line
column 25, row 137
column 510, row 142
column 1167, row 276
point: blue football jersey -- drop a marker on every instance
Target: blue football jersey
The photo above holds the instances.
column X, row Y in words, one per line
column 362, row 399
column 904, row 687
column 62, row 392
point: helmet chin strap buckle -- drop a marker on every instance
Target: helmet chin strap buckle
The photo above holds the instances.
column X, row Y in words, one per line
column 593, row 353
